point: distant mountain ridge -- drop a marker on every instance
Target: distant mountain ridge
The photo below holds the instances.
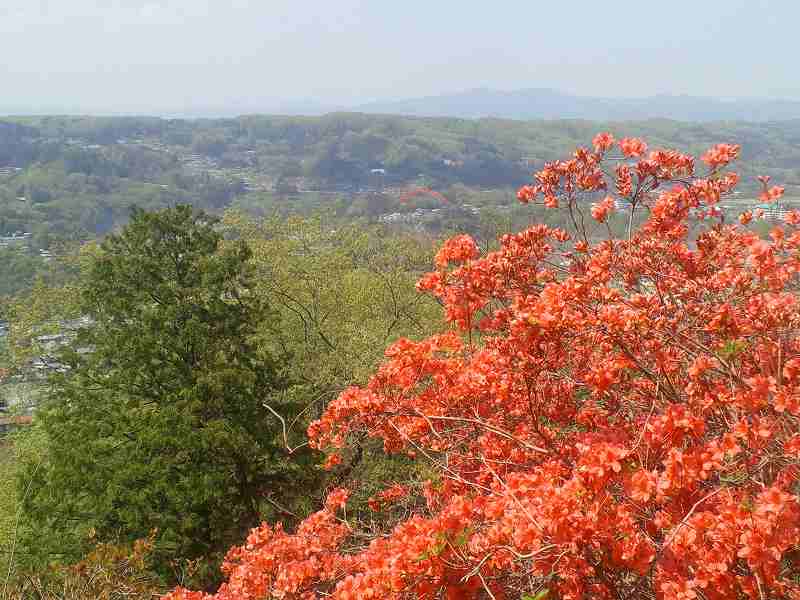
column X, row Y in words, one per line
column 523, row 105
column 542, row 103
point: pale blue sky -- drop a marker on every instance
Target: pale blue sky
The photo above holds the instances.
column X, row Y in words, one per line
column 248, row 55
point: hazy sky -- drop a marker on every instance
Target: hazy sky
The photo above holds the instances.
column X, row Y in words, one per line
column 186, row 56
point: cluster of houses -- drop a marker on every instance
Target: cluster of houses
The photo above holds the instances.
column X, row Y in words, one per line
column 771, row 212
column 422, row 216
column 18, row 238
column 20, row 389
column 81, row 143
column 47, row 345
column 766, row 212
column 21, row 240
column 418, row 217
column 197, row 164
column 153, row 145
column 10, row 422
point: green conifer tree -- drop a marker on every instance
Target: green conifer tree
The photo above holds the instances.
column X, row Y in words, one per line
column 159, row 421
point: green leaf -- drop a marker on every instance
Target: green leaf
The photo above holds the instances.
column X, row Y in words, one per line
column 732, row 348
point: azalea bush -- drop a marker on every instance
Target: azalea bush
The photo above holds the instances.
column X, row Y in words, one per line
column 607, row 417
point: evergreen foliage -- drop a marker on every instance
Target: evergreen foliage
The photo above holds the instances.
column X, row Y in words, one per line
column 159, row 420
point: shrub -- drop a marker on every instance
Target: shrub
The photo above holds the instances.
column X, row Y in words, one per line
column 108, row 572
column 607, row 419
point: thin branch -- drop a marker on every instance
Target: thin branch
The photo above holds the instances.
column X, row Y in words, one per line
column 283, row 427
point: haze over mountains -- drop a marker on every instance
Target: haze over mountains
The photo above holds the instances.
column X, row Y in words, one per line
column 524, row 104
column 543, row 103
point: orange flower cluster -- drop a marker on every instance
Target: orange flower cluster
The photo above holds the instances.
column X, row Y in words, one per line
column 632, row 147
column 563, row 182
column 769, row 194
column 458, row 249
column 273, row 563
column 720, row 155
column 387, row 497
column 601, row 210
column 606, row 420
column 412, row 193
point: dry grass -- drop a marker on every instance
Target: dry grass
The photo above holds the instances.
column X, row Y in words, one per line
column 110, row 572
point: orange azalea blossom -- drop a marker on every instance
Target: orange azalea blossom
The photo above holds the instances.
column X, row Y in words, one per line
column 603, row 142
column 458, row 250
column 793, row 217
column 720, row 155
column 601, row 210
column 624, row 180
column 632, row 147
column 769, row 194
column 605, row 418
column 387, row 497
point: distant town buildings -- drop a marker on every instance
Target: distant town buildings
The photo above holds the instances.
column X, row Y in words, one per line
column 20, row 390
column 770, row 212
column 47, row 346
column 418, row 217
column 18, row 238
column 454, row 164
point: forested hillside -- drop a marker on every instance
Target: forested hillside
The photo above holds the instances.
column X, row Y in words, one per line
column 78, row 177
column 313, row 406
column 72, row 179
column 271, row 407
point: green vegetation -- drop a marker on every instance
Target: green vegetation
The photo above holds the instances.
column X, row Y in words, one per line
column 160, row 421
column 343, row 291
column 75, row 178
column 18, row 271
column 109, row 571
column 216, row 337
column 213, row 346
